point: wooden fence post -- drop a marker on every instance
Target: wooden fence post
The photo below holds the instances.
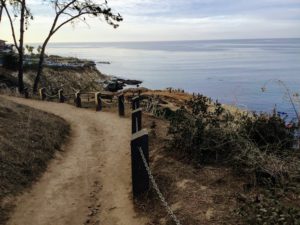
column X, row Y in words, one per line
column 26, row 94
column 78, row 99
column 121, row 101
column 98, row 101
column 61, row 97
column 136, row 116
column 135, row 103
column 139, row 175
column 42, row 93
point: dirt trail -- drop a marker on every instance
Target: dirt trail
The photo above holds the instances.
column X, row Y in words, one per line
column 87, row 183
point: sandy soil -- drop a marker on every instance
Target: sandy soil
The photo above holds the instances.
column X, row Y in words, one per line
column 89, row 182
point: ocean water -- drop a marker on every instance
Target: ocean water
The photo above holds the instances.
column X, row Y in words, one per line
column 232, row 71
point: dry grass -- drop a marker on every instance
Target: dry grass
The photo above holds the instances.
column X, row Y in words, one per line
column 197, row 194
column 216, row 193
column 28, row 140
column 86, row 78
column 176, row 96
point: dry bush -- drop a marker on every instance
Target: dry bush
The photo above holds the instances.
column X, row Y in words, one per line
column 205, row 132
column 258, row 147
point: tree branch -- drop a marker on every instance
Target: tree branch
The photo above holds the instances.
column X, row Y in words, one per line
column 69, row 20
column 1, row 10
column 11, row 24
column 66, row 6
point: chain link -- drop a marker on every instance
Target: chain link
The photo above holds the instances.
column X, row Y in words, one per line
column 161, row 197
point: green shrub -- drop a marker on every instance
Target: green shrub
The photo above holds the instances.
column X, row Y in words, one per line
column 205, row 132
column 256, row 146
column 269, row 209
column 10, row 61
column 269, row 132
column 33, row 66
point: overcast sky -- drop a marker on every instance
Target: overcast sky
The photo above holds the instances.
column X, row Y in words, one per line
column 152, row 20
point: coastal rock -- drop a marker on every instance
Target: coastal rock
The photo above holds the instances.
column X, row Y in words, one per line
column 116, row 84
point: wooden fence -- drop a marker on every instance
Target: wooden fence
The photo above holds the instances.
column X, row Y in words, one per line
column 79, row 97
column 139, row 140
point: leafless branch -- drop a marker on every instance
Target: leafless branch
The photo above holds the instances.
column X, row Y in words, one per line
column 3, row 4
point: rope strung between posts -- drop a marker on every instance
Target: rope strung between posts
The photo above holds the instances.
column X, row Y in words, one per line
column 69, row 95
column 155, row 186
column 51, row 96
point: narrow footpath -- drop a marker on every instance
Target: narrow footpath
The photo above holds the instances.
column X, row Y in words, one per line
column 89, row 182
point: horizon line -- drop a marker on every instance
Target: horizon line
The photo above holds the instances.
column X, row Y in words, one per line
column 182, row 40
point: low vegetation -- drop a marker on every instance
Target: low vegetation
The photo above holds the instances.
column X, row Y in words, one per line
column 28, row 140
column 10, row 61
column 258, row 147
column 7, row 80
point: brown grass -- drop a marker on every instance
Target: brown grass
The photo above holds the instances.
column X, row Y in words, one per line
column 28, row 140
column 197, row 194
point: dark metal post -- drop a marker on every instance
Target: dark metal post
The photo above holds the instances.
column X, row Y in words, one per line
column 26, row 94
column 61, row 97
column 135, row 103
column 42, row 93
column 140, row 179
column 98, row 101
column 121, row 101
column 136, row 117
column 77, row 99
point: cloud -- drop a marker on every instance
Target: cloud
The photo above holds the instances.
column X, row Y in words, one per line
column 178, row 19
column 206, row 8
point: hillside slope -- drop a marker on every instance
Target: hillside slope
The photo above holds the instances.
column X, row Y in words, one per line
column 29, row 138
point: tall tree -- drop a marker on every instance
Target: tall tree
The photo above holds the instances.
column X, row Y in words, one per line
column 1, row 10
column 19, row 8
column 70, row 11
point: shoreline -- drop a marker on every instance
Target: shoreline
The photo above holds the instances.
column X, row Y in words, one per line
column 122, row 82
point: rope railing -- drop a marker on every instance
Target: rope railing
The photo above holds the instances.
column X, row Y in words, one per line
column 82, row 97
column 51, row 96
